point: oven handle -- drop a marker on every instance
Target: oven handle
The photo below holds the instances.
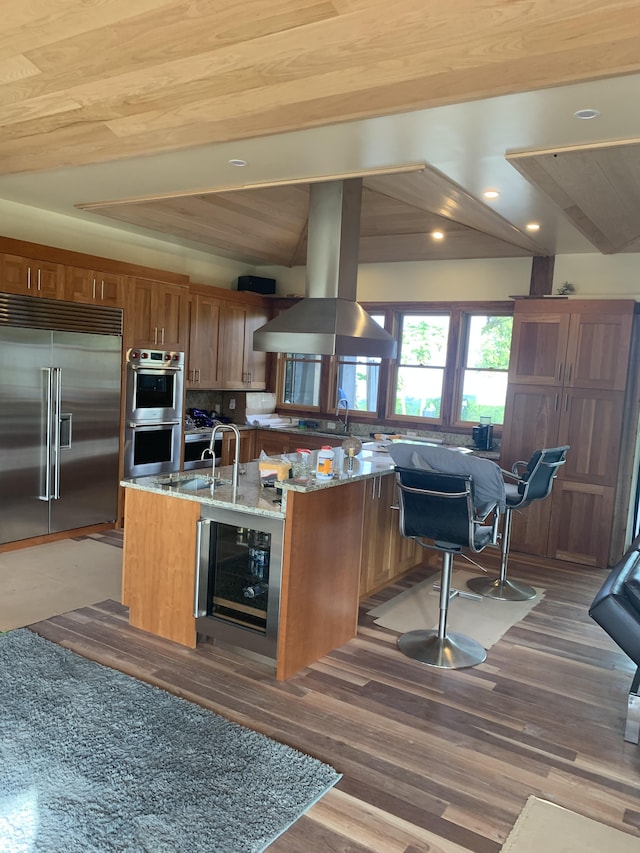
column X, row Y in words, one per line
column 150, row 424
column 149, row 369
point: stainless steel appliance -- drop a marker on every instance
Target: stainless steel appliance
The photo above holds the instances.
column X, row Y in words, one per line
column 59, row 415
column 155, row 384
column 153, row 412
column 238, row 577
column 195, row 443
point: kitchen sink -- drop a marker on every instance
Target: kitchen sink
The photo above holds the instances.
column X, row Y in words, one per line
column 191, row 482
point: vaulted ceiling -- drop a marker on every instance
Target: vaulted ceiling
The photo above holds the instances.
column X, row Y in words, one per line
column 133, row 111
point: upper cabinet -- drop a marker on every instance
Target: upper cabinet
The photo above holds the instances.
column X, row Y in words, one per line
column 94, row 287
column 239, row 366
column 157, row 314
column 204, row 333
column 560, row 344
column 31, row 277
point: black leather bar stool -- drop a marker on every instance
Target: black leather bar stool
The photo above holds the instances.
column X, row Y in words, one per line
column 533, row 482
column 437, row 511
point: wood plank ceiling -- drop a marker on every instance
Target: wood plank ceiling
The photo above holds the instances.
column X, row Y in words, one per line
column 88, row 81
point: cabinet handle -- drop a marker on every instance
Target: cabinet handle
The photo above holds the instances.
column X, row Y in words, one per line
column 102, row 290
column 566, row 403
column 555, row 403
column 155, row 335
column 373, row 489
column 569, row 373
column 162, row 336
column 560, row 372
column 38, row 281
column 28, row 278
column 379, row 487
column 196, row 378
column 94, row 289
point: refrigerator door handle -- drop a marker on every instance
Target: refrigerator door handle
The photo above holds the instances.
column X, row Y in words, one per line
column 66, row 431
column 46, row 459
column 55, row 429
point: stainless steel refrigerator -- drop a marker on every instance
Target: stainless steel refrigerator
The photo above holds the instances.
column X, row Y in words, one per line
column 59, row 415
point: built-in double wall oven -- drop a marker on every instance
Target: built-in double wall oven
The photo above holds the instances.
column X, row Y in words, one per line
column 153, row 411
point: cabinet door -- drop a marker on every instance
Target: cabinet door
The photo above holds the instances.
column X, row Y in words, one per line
column 272, row 442
column 386, row 554
column 538, row 348
column 203, row 343
column 246, row 449
column 598, row 351
column 91, row 287
column 31, row 277
column 255, row 362
column 233, row 346
column 591, row 424
column 581, row 523
column 532, row 413
column 157, row 315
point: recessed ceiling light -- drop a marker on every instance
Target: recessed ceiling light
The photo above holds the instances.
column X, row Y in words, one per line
column 437, row 235
column 533, row 226
column 237, row 162
column 491, row 193
column 586, row 114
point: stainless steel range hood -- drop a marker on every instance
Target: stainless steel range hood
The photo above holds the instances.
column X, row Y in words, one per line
column 329, row 321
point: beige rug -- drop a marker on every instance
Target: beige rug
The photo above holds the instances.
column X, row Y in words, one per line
column 485, row 621
column 543, row 827
column 47, row 580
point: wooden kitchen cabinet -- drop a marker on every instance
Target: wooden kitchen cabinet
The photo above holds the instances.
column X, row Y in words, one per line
column 247, row 446
column 239, row 366
column 567, row 381
column 385, row 554
column 93, row 287
column 274, row 442
column 204, row 333
column 157, row 315
column 31, row 277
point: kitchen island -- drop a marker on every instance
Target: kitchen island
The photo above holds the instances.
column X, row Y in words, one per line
column 324, row 536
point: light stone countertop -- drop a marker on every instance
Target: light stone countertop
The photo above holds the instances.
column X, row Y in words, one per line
column 251, row 496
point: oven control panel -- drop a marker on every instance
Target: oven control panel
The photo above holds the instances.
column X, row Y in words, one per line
column 154, row 358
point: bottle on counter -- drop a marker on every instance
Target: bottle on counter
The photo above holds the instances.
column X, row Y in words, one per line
column 324, row 467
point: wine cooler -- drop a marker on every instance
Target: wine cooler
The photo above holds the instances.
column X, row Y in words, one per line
column 238, row 573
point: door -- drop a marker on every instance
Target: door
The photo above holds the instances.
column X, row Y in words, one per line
column 23, row 511
column 89, row 429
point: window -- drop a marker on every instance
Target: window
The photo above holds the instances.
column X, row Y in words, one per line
column 358, row 379
column 421, row 365
column 302, row 374
column 485, row 367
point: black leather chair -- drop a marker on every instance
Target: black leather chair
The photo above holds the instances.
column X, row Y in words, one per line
column 532, row 481
column 616, row 608
column 437, row 510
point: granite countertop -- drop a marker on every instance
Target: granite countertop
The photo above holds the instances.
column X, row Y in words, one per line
column 251, row 496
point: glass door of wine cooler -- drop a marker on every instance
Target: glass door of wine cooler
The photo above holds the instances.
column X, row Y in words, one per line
column 238, row 579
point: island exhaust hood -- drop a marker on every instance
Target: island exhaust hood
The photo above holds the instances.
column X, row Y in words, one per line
column 329, row 321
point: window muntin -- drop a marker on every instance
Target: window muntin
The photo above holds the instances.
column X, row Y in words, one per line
column 485, row 366
column 421, row 365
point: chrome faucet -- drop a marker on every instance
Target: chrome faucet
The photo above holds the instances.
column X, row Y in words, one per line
column 343, row 402
column 211, row 451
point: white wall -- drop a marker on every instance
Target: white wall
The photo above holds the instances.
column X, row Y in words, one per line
column 593, row 275
column 95, row 238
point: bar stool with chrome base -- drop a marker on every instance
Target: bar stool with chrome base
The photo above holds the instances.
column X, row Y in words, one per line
column 439, row 507
column 533, row 482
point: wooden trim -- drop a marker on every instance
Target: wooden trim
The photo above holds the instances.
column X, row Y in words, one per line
column 56, row 537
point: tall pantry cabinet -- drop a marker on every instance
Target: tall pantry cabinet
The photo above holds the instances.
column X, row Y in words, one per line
column 567, row 385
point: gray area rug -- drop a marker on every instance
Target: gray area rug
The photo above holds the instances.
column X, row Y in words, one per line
column 94, row 760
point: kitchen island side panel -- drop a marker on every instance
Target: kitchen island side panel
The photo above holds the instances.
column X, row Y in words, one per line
column 320, row 575
column 159, row 559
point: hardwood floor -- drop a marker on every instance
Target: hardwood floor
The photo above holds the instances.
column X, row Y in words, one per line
column 432, row 760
